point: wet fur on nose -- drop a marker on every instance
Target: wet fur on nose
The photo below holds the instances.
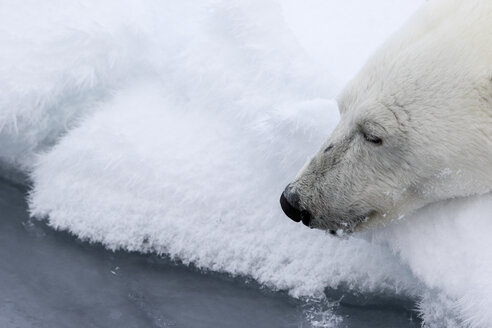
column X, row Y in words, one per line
column 289, row 202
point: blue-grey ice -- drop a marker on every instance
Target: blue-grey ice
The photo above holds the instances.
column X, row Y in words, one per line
column 170, row 128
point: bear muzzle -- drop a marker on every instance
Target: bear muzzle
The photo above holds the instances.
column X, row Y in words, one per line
column 289, row 201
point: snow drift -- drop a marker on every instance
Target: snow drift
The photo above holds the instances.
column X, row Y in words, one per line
column 172, row 127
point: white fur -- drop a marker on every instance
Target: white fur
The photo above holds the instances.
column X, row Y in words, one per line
column 429, row 89
column 191, row 165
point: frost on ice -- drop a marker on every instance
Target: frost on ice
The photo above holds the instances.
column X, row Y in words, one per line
column 172, row 127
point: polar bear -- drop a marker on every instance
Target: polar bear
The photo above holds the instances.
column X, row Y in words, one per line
column 415, row 127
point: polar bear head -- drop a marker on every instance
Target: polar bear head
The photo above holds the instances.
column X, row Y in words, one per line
column 415, row 128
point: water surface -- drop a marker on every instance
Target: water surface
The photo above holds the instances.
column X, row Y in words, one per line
column 52, row 279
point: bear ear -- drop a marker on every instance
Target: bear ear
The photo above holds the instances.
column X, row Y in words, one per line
column 490, row 84
column 344, row 99
column 341, row 107
column 340, row 110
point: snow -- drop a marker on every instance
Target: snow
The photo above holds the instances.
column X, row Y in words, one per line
column 448, row 247
column 56, row 63
column 173, row 127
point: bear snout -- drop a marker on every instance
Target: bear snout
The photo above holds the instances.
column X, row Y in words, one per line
column 289, row 201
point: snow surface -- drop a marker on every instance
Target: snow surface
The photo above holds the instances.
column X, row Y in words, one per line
column 173, row 126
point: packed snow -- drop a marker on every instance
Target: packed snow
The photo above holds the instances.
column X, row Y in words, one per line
column 173, row 127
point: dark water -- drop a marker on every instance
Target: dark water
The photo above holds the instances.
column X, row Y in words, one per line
column 50, row 279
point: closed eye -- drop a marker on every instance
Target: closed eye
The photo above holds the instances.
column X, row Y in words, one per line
column 328, row 148
column 373, row 139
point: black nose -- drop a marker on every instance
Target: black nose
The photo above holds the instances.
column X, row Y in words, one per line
column 289, row 202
